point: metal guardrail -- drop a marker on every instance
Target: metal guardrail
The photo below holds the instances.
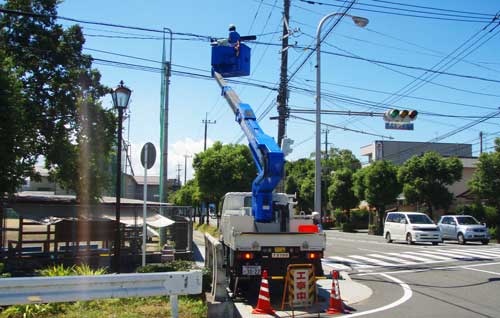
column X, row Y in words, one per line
column 35, row 290
column 214, row 258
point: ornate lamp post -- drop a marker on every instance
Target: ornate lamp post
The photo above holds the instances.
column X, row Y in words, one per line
column 121, row 97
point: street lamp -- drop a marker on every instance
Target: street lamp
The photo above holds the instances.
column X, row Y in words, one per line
column 361, row 22
column 121, row 96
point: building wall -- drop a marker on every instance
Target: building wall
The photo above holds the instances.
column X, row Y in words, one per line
column 400, row 151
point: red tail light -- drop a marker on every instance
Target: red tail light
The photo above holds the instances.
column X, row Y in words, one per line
column 246, row 255
column 313, row 255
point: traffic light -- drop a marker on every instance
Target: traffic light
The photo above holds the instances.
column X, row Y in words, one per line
column 401, row 116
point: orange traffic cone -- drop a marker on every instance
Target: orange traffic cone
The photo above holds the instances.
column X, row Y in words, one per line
column 336, row 304
column 264, row 301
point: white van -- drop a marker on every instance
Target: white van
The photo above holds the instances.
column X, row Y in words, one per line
column 411, row 227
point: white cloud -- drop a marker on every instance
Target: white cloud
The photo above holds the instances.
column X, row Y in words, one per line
column 176, row 153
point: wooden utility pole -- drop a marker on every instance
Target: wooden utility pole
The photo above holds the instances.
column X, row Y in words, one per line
column 480, row 142
column 283, row 88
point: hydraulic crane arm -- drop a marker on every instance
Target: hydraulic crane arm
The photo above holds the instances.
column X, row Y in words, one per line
column 267, row 155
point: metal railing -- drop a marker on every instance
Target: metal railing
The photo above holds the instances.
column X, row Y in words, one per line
column 36, row 290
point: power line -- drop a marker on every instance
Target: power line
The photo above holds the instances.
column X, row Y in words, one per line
column 343, row 128
column 441, row 17
column 431, row 8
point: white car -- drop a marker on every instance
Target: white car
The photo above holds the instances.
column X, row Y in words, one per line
column 463, row 228
column 411, row 227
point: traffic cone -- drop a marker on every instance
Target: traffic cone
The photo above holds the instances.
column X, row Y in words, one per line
column 264, row 301
column 336, row 305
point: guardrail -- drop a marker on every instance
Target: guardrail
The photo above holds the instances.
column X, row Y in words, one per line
column 214, row 258
column 35, row 290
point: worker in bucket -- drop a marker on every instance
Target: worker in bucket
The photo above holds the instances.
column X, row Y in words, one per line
column 232, row 40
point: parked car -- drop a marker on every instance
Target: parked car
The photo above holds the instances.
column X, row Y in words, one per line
column 327, row 222
column 463, row 228
column 411, row 227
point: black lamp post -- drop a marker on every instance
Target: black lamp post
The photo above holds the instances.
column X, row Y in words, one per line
column 121, row 96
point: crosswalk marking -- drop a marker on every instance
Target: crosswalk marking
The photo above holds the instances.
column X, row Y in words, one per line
column 369, row 262
column 432, row 256
column 413, row 257
column 394, row 259
column 460, row 254
column 347, row 261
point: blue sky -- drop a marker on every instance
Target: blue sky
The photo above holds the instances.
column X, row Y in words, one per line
column 396, row 39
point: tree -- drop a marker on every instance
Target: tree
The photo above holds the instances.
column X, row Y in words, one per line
column 60, row 91
column 485, row 182
column 425, row 178
column 378, row 184
column 341, row 192
column 224, row 168
column 300, row 180
column 17, row 159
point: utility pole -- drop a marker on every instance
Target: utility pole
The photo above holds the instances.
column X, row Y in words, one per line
column 206, row 122
column 326, row 131
column 186, row 156
column 480, row 142
column 179, row 169
column 283, row 88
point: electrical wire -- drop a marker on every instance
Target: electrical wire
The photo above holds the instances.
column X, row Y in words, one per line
column 442, row 17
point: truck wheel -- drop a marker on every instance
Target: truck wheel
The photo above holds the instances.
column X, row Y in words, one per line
column 461, row 239
column 408, row 239
column 388, row 238
column 435, row 243
column 485, row 242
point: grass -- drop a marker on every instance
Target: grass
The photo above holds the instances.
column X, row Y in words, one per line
column 151, row 307
column 137, row 307
column 205, row 228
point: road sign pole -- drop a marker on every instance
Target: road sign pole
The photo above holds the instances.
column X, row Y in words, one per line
column 144, row 209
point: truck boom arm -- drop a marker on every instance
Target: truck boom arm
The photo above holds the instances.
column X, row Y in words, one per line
column 267, row 155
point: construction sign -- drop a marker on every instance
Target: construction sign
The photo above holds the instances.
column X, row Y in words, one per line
column 300, row 286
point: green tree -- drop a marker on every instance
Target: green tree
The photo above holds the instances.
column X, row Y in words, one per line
column 16, row 143
column 378, row 184
column 59, row 90
column 300, row 180
column 425, row 178
column 341, row 192
column 485, row 182
column 224, row 168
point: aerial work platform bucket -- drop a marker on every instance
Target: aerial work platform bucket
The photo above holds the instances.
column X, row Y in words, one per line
column 228, row 64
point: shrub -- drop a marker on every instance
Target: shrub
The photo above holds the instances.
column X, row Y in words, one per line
column 174, row 266
column 493, row 232
column 359, row 219
column 347, row 227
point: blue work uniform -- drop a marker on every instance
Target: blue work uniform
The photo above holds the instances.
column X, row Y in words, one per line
column 234, row 37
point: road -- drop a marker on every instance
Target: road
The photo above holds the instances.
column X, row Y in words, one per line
column 448, row 280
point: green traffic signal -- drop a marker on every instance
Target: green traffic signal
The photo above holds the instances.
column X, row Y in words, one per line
column 394, row 113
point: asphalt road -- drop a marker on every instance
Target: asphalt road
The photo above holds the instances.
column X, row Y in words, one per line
column 448, row 280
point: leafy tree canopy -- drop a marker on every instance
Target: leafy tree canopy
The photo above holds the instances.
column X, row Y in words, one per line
column 425, row 179
column 224, row 168
column 341, row 192
column 60, row 100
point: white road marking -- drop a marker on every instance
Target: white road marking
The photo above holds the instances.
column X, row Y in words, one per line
column 407, row 294
column 482, row 270
column 416, row 258
column 442, row 258
column 344, row 260
column 463, row 254
column 394, row 259
column 406, row 271
column 371, row 260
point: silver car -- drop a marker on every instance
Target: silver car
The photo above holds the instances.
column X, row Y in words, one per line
column 463, row 228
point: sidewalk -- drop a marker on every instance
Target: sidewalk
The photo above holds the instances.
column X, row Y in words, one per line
column 199, row 248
